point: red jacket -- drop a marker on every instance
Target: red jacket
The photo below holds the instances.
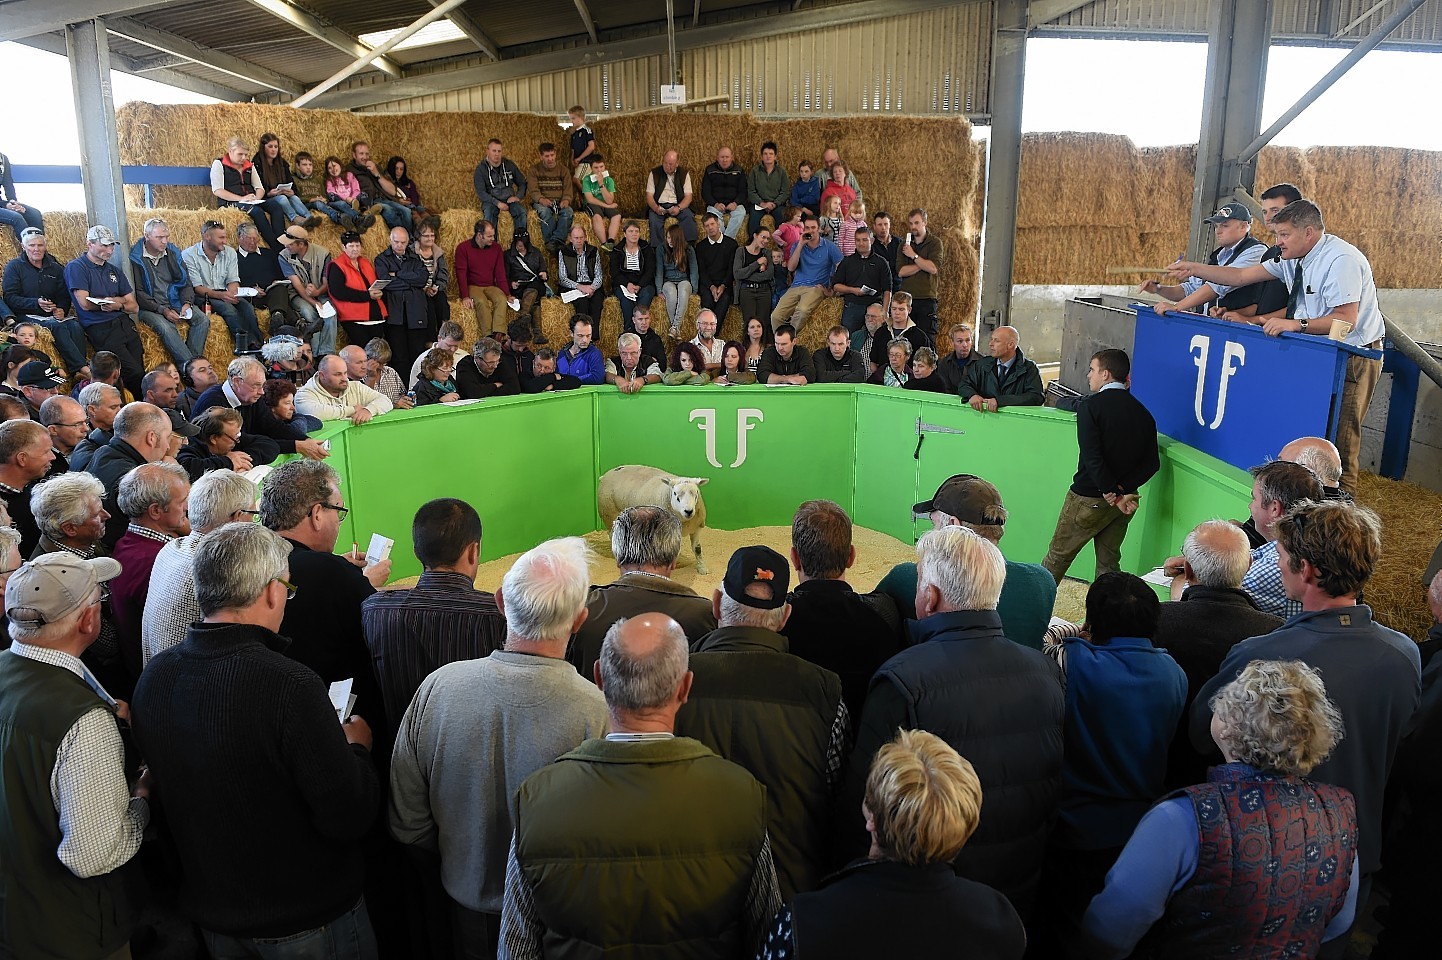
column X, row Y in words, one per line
column 480, row 268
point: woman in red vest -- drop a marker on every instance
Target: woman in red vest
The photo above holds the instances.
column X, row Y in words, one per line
column 351, row 277
column 1256, row 862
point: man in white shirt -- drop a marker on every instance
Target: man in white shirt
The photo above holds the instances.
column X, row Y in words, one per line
column 712, row 348
column 332, row 395
column 1236, row 247
column 1328, row 281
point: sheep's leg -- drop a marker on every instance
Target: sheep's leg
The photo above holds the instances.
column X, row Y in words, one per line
column 696, row 548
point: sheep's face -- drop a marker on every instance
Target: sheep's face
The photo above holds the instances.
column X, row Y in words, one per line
column 685, row 494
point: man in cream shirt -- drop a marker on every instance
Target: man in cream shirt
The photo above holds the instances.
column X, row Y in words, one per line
column 332, row 395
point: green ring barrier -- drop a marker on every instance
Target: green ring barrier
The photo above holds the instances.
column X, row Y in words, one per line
column 529, row 464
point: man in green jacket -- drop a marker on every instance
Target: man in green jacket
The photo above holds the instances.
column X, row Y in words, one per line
column 768, row 189
column 1004, row 379
column 642, row 842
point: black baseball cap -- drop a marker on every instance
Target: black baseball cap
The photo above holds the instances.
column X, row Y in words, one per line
column 757, row 564
column 968, row 498
column 1230, row 211
column 38, row 373
column 182, row 426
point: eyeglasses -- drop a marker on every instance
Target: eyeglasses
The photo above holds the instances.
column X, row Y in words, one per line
column 211, row 225
column 340, row 512
column 82, row 423
column 104, row 595
column 290, row 588
column 253, row 514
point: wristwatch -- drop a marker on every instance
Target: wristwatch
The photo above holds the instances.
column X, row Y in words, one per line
column 1303, row 322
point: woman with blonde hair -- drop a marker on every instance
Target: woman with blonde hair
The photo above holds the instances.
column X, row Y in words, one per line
column 1256, row 862
column 904, row 898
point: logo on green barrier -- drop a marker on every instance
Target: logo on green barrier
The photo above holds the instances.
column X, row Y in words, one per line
column 746, row 419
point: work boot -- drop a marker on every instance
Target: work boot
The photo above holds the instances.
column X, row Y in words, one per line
column 538, row 336
column 366, row 222
column 313, row 221
column 352, row 224
column 374, row 210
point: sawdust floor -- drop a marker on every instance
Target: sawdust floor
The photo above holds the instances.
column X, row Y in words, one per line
column 876, row 554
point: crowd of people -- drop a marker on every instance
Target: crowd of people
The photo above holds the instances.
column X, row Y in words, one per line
column 776, row 770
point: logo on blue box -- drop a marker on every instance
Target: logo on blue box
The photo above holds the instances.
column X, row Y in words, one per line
column 1234, row 357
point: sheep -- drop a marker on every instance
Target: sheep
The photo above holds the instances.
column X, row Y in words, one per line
column 633, row 485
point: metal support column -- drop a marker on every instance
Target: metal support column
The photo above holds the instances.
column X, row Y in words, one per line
column 87, row 47
column 1003, row 168
column 1241, row 32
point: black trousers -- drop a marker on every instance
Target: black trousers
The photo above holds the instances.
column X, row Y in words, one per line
column 590, row 307
column 923, row 314
column 754, row 303
column 719, row 304
column 119, row 337
column 406, row 343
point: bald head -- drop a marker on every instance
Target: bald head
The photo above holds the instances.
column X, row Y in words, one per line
column 1318, row 455
column 1217, row 554
column 1434, row 597
column 644, row 671
column 1004, row 341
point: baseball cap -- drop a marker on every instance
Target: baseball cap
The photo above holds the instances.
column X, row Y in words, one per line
column 294, row 233
column 54, row 585
column 750, row 565
column 100, row 233
column 1230, row 211
column 38, row 373
column 967, row 498
column 181, row 425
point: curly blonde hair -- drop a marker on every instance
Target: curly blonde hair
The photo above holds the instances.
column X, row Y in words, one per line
column 1276, row 716
column 924, row 798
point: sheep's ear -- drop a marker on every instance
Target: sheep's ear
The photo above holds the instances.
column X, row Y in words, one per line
column 666, row 481
column 702, row 481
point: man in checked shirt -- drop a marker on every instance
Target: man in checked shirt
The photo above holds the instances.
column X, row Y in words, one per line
column 69, row 821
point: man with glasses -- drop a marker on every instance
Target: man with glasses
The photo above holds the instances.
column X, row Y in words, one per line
column 302, row 502
column 332, row 395
column 69, row 820
column 262, row 435
column 65, row 419
column 230, row 725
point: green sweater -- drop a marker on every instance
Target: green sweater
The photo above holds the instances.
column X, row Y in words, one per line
column 773, row 187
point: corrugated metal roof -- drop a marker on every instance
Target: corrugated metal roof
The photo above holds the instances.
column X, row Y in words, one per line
column 1292, row 20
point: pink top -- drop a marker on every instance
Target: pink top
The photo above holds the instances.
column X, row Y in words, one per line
column 347, row 187
column 787, row 235
column 847, row 235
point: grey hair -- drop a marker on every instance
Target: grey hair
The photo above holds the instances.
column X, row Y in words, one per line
column 1325, row 463
column 245, row 229
column 292, row 489
column 52, row 410
column 964, row 566
column 63, row 499
column 216, row 497
column 1222, row 562
column 93, row 394
column 1276, row 716
column 240, row 366
column 485, row 346
column 234, row 563
column 138, row 417
column 646, row 536
column 153, row 223
column 643, row 683
column 627, row 340
column 734, row 614
column 9, row 540
column 147, row 484
column 546, row 589
column 281, row 349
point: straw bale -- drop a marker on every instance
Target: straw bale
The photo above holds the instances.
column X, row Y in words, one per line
column 1400, row 260
column 1069, row 179
column 1165, row 177
column 1409, row 535
column 1285, row 165
column 1072, row 254
column 1155, row 249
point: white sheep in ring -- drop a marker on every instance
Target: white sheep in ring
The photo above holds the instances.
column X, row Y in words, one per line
column 633, row 485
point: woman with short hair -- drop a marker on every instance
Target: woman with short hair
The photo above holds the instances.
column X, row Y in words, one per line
column 351, row 278
column 897, row 372
column 904, row 898
column 437, row 382
column 1257, row 861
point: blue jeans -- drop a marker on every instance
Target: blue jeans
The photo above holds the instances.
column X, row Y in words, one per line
column 555, row 223
column 684, row 218
column 394, row 214
column 337, row 212
column 347, row 937
column 288, row 207
column 628, row 306
column 731, row 220
column 517, row 209
column 19, row 221
column 240, row 319
column 323, row 341
column 194, row 343
column 70, row 341
column 853, row 316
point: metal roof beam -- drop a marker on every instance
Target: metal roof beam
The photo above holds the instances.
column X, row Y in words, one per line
column 467, row 25
column 360, row 63
column 1045, row 11
column 557, row 60
column 150, row 70
column 326, row 32
column 29, row 18
column 205, row 56
column 585, row 13
column 696, row 14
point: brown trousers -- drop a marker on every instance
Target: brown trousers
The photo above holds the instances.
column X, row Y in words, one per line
column 1084, row 520
column 1360, row 382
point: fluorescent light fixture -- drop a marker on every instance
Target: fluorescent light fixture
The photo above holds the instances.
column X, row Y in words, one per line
column 441, row 31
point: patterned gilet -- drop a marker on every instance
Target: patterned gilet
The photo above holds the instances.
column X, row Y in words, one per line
column 1273, row 868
